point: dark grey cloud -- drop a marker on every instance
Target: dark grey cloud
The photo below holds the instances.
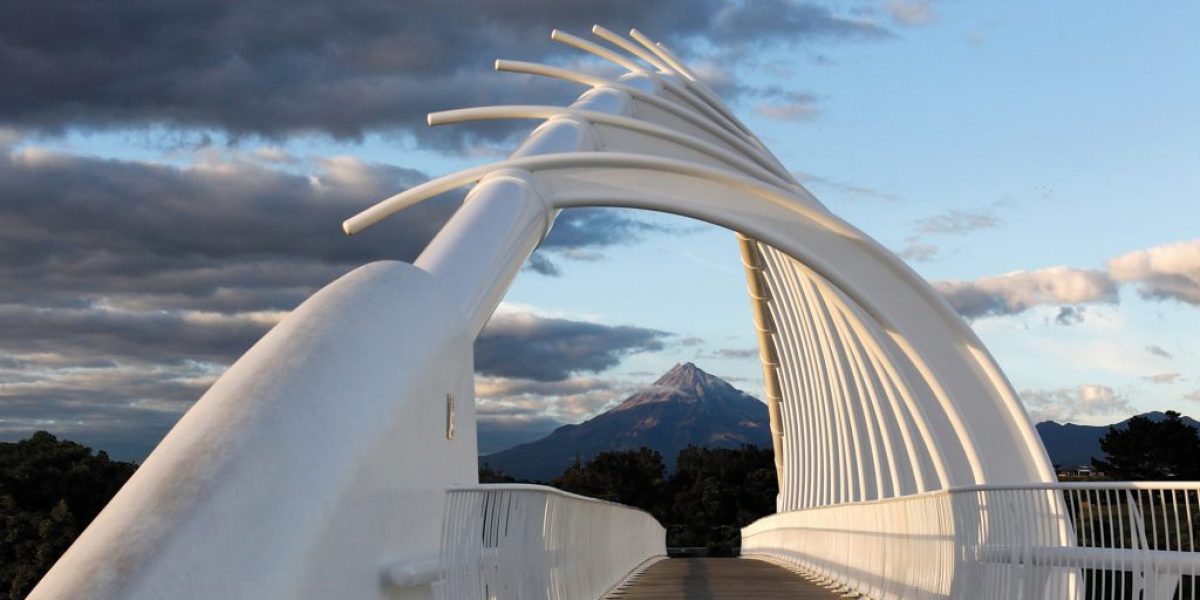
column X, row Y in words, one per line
column 772, row 21
column 274, row 68
column 581, row 234
column 1070, row 315
column 217, row 236
column 523, row 345
column 1158, row 351
column 120, row 280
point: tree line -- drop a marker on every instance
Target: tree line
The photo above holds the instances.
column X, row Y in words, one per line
column 51, row 489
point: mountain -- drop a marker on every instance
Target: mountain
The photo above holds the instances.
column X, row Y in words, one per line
column 686, row 406
column 1072, row 445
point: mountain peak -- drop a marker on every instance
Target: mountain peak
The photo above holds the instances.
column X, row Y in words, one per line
column 686, row 406
column 688, row 376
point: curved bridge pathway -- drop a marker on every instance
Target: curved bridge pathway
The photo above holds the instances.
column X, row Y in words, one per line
column 718, row 579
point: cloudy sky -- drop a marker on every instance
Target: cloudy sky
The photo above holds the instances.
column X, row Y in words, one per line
column 173, row 175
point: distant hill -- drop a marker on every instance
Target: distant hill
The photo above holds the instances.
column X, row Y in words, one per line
column 686, row 406
column 1072, row 445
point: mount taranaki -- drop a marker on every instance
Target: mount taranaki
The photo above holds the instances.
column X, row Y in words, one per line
column 686, row 406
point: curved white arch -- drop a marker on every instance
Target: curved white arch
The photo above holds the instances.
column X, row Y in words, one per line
column 759, row 209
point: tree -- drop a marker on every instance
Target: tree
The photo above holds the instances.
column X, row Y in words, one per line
column 49, row 491
column 714, row 492
column 633, row 477
column 489, row 474
column 1151, row 450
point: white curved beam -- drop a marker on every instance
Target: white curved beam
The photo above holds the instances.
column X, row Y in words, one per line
column 736, row 181
column 694, row 83
column 631, row 48
column 596, row 50
column 690, row 116
column 529, row 111
column 676, row 66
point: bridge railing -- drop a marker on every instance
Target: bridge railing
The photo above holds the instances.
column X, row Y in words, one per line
column 512, row 541
column 1081, row 541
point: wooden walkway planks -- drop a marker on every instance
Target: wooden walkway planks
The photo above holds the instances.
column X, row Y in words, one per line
column 718, row 579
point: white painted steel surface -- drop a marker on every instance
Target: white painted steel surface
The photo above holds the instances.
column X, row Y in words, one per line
column 1093, row 541
column 530, row 542
column 317, row 458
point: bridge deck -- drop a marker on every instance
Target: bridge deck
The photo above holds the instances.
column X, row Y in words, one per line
column 718, row 579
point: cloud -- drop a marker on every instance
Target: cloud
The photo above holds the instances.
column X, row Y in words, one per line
column 1168, row 272
column 540, row 263
column 1162, row 378
column 789, row 106
column 952, row 222
column 154, row 272
column 919, row 252
column 1193, row 396
column 263, row 67
column 766, row 21
column 1158, row 351
column 956, row 222
column 1016, row 292
column 512, row 411
column 218, row 235
column 733, row 353
column 1085, row 403
column 910, row 12
column 524, row 345
column 582, row 233
column 1070, row 315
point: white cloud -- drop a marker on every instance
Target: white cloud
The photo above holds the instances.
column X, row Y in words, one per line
column 1171, row 271
column 1089, row 403
column 1019, row 291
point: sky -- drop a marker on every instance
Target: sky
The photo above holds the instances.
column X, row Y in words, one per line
column 173, row 175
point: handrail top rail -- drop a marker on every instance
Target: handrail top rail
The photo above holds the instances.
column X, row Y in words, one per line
column 543, row 489
column 1164, row 486
column 1082, row 485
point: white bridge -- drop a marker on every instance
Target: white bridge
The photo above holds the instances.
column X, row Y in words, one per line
column 337, row 458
